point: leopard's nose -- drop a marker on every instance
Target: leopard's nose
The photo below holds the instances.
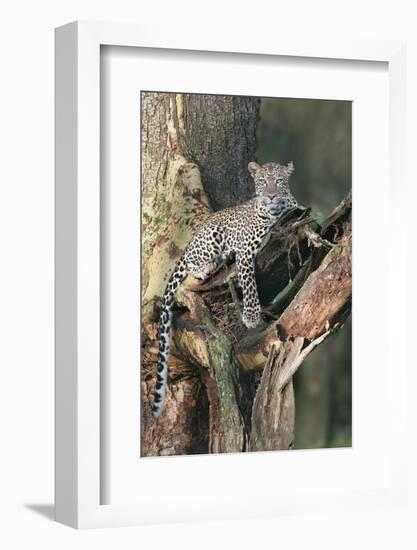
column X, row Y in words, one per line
column 270, row 190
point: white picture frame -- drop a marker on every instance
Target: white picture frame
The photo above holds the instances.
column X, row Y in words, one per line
column 78, row 449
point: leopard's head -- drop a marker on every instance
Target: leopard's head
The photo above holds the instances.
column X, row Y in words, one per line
column 271, row 179
column 272, row 187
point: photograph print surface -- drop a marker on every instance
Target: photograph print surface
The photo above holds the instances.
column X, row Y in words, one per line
column 246, row 251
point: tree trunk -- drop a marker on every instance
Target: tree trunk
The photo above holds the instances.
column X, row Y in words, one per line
column 185, row 136
column 230, row 389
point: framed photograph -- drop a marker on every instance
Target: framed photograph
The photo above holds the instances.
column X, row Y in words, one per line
column 221, row 337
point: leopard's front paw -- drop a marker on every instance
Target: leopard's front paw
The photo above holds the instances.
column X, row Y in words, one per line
column 251, row 318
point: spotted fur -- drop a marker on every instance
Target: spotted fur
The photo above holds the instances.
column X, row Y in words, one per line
column 233, row 233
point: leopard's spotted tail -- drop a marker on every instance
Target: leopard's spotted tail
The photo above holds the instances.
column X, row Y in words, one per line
column 174, row 282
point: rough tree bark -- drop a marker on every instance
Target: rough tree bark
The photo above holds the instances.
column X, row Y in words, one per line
column 230, row 389
column 185, row 136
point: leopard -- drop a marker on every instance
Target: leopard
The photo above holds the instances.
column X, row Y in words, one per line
column 232, row 234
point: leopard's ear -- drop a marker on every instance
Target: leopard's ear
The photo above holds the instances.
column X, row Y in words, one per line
column 253, row 167
column 290, row 168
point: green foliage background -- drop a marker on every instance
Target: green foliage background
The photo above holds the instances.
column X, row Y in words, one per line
column 317, row 136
